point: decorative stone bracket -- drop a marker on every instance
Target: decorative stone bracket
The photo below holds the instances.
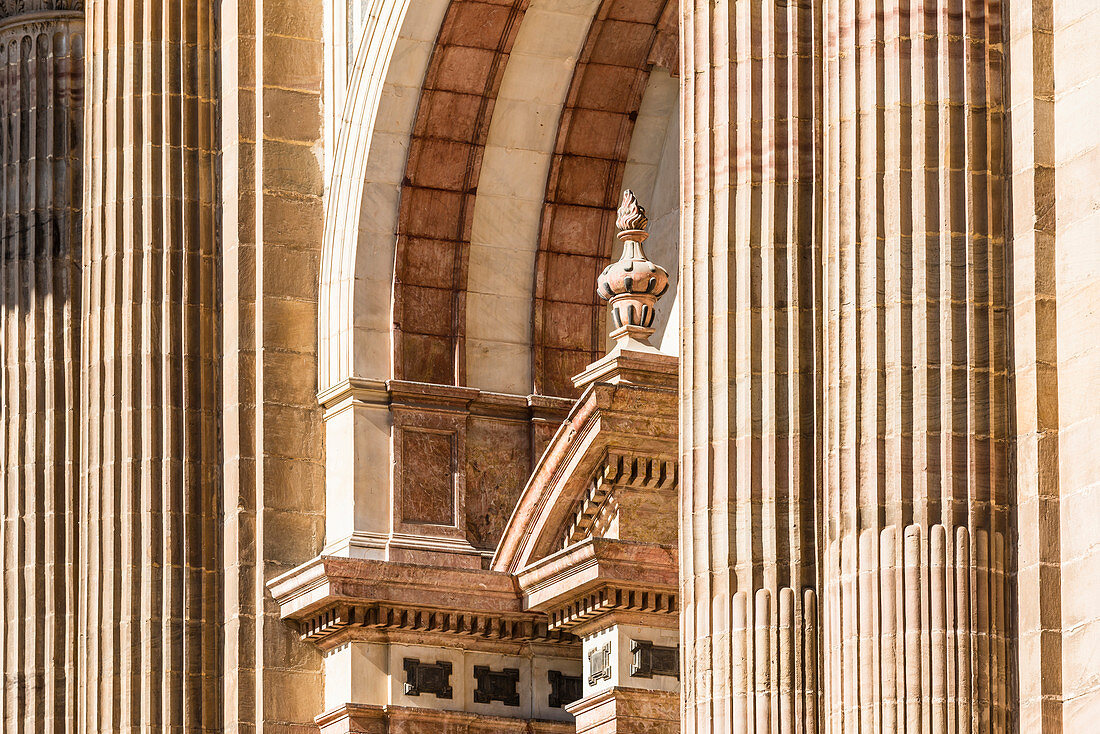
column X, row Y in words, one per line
column 334, row 600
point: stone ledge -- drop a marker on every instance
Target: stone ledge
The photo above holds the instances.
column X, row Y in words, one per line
column 599, row 563
column 331, row 594
column 448, row 398
column 367, row 719
column 641, row 365
column 627, row 710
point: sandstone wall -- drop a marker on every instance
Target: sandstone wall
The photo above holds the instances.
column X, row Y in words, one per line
column 270, row 74
column 1076, row 222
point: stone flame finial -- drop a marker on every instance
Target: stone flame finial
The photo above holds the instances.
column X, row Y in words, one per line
column 631, row 215
column 632, row 284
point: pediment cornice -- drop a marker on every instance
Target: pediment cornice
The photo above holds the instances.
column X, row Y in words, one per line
column 610, row 421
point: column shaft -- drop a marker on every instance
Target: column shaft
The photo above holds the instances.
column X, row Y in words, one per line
column 41, row 98
column 915, row 341
column 149, row 459
column 749, row 211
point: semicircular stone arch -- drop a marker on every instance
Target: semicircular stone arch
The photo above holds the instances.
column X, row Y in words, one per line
column 440, row 185
column 430, row 104
column 465, row 145
column 359, row 242
column 625, row 42
column 500, row 274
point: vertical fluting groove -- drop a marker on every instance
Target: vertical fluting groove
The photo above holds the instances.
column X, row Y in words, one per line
column 151, row 602
column 716, row 694
column 848, row 648
column 689, row 682
column 128, row 384
column 941, row 640
column 811, row 657
column 951, row 626
column 913, row 624
column 41, row 110
column 88, row 592
column 739, row 710
column 691, row 581
column 905, row 306
column 866, row 639
column 787, row 670
column 890, row 590
column 964, row 679
column 1000, row 601
column 762, row 647
column 938, row 593
column 148, row 115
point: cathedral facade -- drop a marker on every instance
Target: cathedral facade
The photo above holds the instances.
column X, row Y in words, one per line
column 550, row 366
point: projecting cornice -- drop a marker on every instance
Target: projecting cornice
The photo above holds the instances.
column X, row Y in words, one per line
column 333, row 598
column 447, row 398
column 587, row 581
column 38, row 18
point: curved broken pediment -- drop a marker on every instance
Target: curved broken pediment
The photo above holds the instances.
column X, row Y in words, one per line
column 610, row 470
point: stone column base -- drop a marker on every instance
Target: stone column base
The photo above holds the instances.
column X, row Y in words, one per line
column 627, row 711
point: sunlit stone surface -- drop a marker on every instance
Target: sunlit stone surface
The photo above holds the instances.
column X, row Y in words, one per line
column 315, row 417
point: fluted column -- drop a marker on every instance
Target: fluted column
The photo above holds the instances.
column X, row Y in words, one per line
column 749, row 207
column 149, row 458
column 916, row 401
column 41, row 105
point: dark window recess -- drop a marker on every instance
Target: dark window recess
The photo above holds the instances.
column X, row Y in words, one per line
column 563, row 688
column 650, row 660
column 434, row 678
column 599, row 664
column 496, row 685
